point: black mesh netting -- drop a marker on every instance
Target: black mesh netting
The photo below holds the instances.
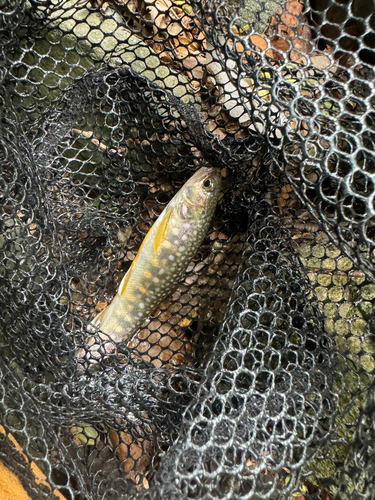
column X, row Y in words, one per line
column 254, row 379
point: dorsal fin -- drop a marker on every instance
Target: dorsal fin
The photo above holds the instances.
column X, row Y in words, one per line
column 160, row 233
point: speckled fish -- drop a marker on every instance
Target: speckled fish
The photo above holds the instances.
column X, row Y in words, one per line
column 163, row 257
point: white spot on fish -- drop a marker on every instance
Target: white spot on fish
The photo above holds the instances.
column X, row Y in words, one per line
column 171, row 257
column 181, row 249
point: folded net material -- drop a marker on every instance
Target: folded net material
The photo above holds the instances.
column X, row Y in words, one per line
column 254, row 379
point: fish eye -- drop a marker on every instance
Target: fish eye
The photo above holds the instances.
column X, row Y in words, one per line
column 209, row 184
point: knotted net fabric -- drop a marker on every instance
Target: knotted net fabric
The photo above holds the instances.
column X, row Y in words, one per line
column 254, row 379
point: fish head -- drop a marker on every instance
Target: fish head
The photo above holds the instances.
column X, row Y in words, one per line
column 198, row 197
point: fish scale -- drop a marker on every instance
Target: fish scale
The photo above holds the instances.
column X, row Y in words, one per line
column 163, row 257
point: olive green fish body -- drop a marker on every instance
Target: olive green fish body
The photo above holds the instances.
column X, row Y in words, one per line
column 163, row 256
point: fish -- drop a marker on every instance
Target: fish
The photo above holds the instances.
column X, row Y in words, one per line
column 163, row 256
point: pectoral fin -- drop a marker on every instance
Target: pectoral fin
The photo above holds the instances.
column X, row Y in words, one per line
column 125, row 280
column 160, row 233
column 159, row 236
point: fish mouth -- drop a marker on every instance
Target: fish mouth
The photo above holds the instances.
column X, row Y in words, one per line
column 191, row 204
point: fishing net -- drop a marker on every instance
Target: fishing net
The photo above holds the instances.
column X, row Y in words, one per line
column 254, row 378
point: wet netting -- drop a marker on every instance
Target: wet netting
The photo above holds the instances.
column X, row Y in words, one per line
column 254, row 379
